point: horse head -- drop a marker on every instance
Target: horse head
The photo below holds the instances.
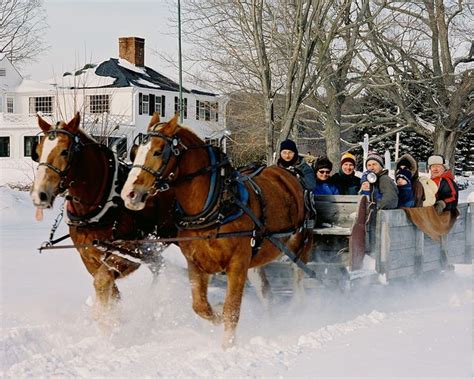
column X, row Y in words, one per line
column 154, row 162
column 54, row 153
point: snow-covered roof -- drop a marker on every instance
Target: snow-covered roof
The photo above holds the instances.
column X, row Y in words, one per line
column 116, row 73
column 84, row 77
column 33, row 86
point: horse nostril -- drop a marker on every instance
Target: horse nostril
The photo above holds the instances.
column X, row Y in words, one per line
column 43, row 196
column 132, row 195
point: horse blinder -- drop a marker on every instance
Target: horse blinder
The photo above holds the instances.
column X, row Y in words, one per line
column 34, row 154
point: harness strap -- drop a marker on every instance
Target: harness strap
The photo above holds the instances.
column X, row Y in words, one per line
column 295, row 259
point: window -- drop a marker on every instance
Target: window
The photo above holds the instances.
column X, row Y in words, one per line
column 99, row 103
column 41, row 104
column 160, row 105
column 28, row 142
column 148, row 104
column 4, row 146
column 145, row 104
column 185, row 106
column 3, row 72
column 212, row 141
column 207, row 111
column 10, row 105
column 118, row 144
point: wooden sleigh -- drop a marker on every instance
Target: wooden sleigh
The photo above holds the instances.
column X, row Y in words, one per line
column 355, row 243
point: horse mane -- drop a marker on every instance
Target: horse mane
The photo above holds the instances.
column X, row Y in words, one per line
column 189, row 136
column 83, row 135
column 184, row 132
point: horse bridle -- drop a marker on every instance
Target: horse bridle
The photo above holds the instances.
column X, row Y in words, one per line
column 74, row 147
column 172, row 144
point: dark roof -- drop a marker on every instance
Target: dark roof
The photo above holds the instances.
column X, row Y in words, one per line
column 127, row 78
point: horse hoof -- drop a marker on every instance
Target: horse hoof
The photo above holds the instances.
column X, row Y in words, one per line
column 229, row 341
column 217, row 319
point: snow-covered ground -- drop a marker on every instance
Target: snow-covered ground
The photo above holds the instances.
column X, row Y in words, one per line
column 405, row 330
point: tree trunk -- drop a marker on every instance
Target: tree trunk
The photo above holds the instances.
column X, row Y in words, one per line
column 332, row 134
column 444, row 143
column 269, row 147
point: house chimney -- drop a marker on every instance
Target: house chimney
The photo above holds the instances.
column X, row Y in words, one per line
column 133, row 50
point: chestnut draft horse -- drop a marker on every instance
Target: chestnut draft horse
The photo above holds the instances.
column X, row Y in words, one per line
column 270, row 205
column 69, row 160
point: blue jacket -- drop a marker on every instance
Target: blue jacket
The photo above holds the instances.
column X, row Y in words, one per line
column 406, row 198
column 325, row 188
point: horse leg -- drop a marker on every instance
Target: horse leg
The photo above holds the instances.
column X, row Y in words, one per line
column 107, row 293
column 298, row 287
column 236, row 277
column 300, row 242
column 199, row 281
column 259, row 281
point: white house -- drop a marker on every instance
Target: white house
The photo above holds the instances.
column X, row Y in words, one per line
column 116, row 99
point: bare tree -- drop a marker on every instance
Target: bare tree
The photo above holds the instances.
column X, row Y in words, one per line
column 420, row 57
column 22, row 29
column 340, row 81
column 265, row 47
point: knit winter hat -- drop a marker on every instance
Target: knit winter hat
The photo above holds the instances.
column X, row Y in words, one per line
column 348, row 157
column 363, row 178
column 322, row 162
column 404, row 174
column 437, row 159
column 288, row 144
column 373, row 156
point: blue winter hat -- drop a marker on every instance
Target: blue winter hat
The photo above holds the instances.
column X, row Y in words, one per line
column 363, row 178
column 288, row 144
column 404, row 174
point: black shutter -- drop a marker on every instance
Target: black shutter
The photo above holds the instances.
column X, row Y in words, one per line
column 163, row 102
column 151, row 108
column 197, row 109
column 140, row 103
column 185, row 107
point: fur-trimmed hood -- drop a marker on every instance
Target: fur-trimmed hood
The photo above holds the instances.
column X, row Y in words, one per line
column 410, row 162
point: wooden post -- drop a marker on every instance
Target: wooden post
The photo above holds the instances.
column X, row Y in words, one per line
column 419, row 247
column 384, row 244
column 469, row 234
column 444, row 251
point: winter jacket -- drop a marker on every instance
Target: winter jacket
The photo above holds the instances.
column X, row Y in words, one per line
column 385, row 190
column 406, row 198
column 417, row 188
column 304, row 172
column 447, row 190
column 325, row 188
column 388, row 191
column 346, row 184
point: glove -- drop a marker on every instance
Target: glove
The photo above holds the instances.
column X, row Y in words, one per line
column 439, row 206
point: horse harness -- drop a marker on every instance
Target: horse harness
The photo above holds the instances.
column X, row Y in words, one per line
column 106, row 209
column 227, row 198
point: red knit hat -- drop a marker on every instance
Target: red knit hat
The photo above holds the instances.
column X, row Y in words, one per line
column 348, row 157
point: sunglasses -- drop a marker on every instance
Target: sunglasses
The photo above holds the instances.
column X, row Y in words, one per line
column 324, row 172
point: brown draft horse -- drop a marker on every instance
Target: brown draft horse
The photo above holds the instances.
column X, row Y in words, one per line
column 70, row 160
column 176, row 155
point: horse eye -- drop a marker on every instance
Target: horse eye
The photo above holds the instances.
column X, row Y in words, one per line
column 157, row 153
column 65, row 153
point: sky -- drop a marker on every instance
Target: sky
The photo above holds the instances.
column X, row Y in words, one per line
column 88, row 31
